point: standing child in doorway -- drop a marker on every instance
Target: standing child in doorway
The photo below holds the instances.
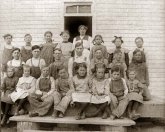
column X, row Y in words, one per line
column 26, row 51
column 48, row 48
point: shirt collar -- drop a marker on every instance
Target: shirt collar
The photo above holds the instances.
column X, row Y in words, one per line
column 44, row 77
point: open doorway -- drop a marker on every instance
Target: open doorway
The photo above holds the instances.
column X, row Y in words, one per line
column 72, row 23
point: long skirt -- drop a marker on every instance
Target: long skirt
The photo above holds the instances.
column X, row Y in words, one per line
column 81, row 97
column 135, row 97
column 100, row 99
column 6, row 97
column 38, row 106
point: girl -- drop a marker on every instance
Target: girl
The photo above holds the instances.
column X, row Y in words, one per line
column 7, row 51
column 26, row 51
column 16, row 62
column 141, row 70
column 42, row 100
column 135, row 90
column 36, row 63
column 125, row 57
column 139, row 45
column 78, row 59
column 83, row 38
column 100, row 93
column 118, row 62
column 47, row 48
column 57, row 64
column 81, row 93
column 65, row 46
column 118, row 93
column 98, row 60
column 97, row 41
column 25, row 86
column 65, row 88
column 8, row 86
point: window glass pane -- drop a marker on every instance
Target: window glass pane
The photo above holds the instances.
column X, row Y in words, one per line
column 71, row 9
column 84, row 8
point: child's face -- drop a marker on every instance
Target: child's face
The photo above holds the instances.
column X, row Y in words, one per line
column 79, row 50
column 116, row 75
column 48, row 37
column 82, row 31
column 98, row 40
column 100, row 73
column 63, row 73
column 98, row 54
column 118, row 56
column 65, row 37
column 132, row 75
column 36, row 53
column 82, row 71
column 16, row 54
column 45, row 71
column 8, row 39
column 10, row 72
column 139, row 43
column 57, row 54
column 26, row 72
column 138, row 56
column 118, row 43
column 28, row 39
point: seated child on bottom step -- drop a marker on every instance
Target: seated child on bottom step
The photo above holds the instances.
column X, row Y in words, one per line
column 100, row 93
column 118, row 93
column 63, row 97
column 81, row 93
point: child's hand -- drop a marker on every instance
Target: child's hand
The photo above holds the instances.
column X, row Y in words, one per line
column 72, row 104
column 2, row 94
column 43, row 97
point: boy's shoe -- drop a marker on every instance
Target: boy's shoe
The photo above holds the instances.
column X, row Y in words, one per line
column 112, row 117
column 55, row 114
column 78, row 117
column 83, row 115
column 21, row 112
column 135, row 116
column 61, row 115
column 33, row 114
column 105, row 115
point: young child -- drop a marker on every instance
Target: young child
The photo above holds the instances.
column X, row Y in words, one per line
column 100, row 93
column 42, row 100
column 139, row 45
column 65, row 88
column 135, row 90
column 57, row 64
column 97, row 42
column 118, row 93
column 65, row 46
column 8, row 86
column 26, row 51
column 118, row 62
column 83, row 38
column 141, row 70
column 16, row 62
column 25, row 86
column 47, row 48
column 36, row 63
column 79, row 58
column 81, row 93
column 98, row 60
column 7, row 51
column 118, row 43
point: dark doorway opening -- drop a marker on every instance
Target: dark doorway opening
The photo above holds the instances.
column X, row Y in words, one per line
column 72, row 23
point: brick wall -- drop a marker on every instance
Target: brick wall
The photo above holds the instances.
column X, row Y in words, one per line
column 126, row 18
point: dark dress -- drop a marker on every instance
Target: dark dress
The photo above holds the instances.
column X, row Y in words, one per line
column 26, row 54
column 35, row 70
column 8, row 86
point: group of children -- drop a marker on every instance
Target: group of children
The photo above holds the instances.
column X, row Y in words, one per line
column 61, row 74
